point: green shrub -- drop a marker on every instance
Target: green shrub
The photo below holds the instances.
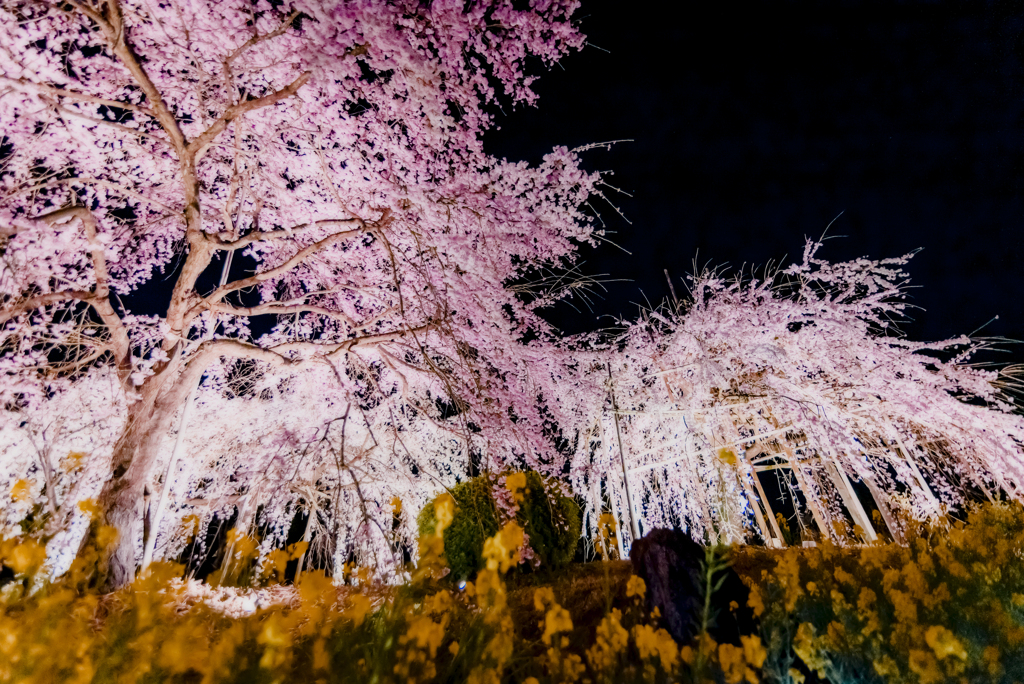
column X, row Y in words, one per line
column 551, row 520
column 476, row 519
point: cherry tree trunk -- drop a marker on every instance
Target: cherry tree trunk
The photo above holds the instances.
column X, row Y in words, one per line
column 134, row 457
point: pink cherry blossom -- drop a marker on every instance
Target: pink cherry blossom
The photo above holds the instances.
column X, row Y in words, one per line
column 335, row 144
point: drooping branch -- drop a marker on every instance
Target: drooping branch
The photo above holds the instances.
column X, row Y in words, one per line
column 257, row 39
column 99, row 183
column 337, row 348
column 110, row 124
column 210, row 350
column 234, row 349
column 99, row 259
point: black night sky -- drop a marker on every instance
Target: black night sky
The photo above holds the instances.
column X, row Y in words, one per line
column 757, row 123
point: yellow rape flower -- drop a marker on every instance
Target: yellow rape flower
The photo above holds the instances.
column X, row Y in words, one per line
column 565, row 667
column 556, row 620
column 991, row 658
column 787, row 570
column 275, row 564
column 106, row 536
column 438, row 604
column 734, row 666
column 636, row 587
column 542, row 598
column 756, row 601
column 805, row 647
column 316, row 587
column 490, row 595
column 925, row 666
column 610, row 643
column 753, row 650
column 22, row 490
column 424, row 633
column 26, row 557
column 944, row 643
column 91, row 508
column 903, row 606
column 658, row 644
column 501, row 551
column 359, row 606
column 444, row 512
column 515, row 484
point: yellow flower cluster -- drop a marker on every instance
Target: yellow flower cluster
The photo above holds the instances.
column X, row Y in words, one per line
column 652, row 643
column 607, row 543
column 635, row 587
column 515, row 483
column 940, row 609
column 431, row 546
column 501, row 552
column 561, row 666
column 426, row 631
column 739, row 663
column 610, row 644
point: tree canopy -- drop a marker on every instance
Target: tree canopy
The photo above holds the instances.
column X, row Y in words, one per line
column 342, row 292
column 336, row 148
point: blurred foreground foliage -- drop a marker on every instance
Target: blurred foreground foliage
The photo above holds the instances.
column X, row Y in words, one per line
column 948, row 608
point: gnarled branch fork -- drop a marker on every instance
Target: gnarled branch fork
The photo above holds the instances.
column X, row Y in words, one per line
column 98, row 297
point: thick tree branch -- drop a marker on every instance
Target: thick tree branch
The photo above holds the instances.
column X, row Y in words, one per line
column 38, row 301
column 288, row 265
column 235, row 111
column 100, row 299
column 26, row 86
column 236, row 349
column 99, row 183
column 213, row 349
column 280, row 310
column 111, row 23
column 223, row 241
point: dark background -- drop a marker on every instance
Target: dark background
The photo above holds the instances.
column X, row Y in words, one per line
column 756, row 123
